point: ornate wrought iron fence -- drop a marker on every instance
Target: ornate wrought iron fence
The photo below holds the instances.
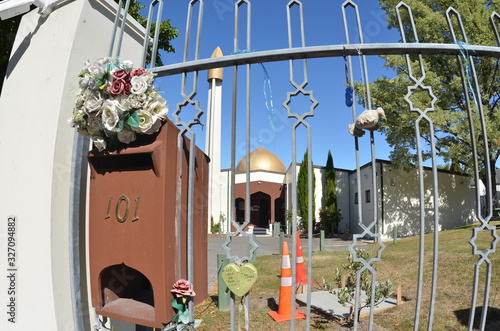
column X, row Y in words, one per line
column 413, row 51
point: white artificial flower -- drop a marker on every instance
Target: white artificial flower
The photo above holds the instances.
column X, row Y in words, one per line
column 94, row 124
column 155, row 127
column 78, row 117
column 136, row 101
column 71, row 122
column 99, row 142
column 84, row 82
column 127, row 65
column 93, row 102
column 139, row 84
column 96, row 71
column 126, row 136
column 103, row 61
column 110, row 114
column 146, row 121
column 149, row 77
column 80, row 100
column 157, row 106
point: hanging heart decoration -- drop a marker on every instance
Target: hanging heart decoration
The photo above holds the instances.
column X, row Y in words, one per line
column 239, row 279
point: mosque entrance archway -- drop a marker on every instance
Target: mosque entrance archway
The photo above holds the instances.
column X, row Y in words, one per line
column 239, row 205
column 260, row 212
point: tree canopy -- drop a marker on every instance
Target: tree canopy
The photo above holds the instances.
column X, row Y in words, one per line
column 450, row 119
column 167, row 32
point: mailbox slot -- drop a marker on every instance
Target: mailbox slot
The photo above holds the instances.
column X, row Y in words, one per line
column 123, row 162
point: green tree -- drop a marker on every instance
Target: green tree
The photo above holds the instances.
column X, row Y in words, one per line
column 167, row 32
column 451, row 127
column 8, row 30
column 303, row 192
column 329, row 215
column 330, row 194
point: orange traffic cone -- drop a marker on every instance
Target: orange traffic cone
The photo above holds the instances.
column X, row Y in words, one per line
column 301, row 268
column 284, row 312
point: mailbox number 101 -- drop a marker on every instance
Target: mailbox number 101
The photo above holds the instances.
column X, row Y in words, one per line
column 123, row 199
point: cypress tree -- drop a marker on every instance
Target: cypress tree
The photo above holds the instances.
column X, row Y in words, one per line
column 302, row 192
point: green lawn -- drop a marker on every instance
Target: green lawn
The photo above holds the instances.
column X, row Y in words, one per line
column 400, row 265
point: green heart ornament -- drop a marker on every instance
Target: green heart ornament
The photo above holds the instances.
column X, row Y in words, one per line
column 239, row 279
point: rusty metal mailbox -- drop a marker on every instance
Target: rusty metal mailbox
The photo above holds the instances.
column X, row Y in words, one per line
column 138, row 227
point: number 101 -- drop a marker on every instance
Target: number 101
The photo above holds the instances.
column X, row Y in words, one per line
column 126, row 200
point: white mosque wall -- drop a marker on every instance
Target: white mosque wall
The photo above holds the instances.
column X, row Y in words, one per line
column 36, row 148
column 221, row 201
column 265, row 176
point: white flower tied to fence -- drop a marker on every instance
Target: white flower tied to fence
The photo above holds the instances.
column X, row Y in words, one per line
column 411, row 49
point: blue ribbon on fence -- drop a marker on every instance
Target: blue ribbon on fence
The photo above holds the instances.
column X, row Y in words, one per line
column 268, row 93
column 465, row 54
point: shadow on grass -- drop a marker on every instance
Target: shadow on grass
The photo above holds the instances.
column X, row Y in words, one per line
column 271, row 304
column 492, row 320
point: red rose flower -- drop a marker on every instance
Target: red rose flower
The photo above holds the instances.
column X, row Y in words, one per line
column 183, row 288
column 138, row 72
column 117, row 87
column 120, row 74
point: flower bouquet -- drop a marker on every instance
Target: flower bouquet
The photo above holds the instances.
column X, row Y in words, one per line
column 115, row 103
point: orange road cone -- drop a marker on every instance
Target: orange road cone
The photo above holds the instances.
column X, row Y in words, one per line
column 284, row 312
column 301, row 268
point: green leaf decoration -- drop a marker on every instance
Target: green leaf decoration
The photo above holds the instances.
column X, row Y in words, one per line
column 79, row 117
column 184, row 317
column 119, row 125
column 178, row 306
column 133, row 120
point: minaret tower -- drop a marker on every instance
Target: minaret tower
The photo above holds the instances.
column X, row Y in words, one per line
column 213, row 140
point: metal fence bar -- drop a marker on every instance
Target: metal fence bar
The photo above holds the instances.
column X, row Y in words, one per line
column 185, row 128
column 311, row 52
column 147, row 38
column 422, row 116
column 301, row 119
column 367, row 230
column 345, row 5
column 471, row 86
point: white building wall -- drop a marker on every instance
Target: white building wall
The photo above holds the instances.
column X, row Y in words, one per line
column 342, row 186
column 399, row 201
column 36, row 148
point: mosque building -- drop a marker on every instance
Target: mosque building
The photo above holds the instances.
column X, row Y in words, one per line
column 397, row 197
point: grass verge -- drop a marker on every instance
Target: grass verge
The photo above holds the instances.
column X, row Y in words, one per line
column 400, row 261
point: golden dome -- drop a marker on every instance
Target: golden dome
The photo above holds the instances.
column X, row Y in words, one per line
column 261, row 159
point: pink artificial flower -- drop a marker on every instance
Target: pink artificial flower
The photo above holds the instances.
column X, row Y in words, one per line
column 138, row 72
column 183, row 288
column 118, row 87
column 120, row 74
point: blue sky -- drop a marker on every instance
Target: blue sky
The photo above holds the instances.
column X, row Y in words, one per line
column 323, row 26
